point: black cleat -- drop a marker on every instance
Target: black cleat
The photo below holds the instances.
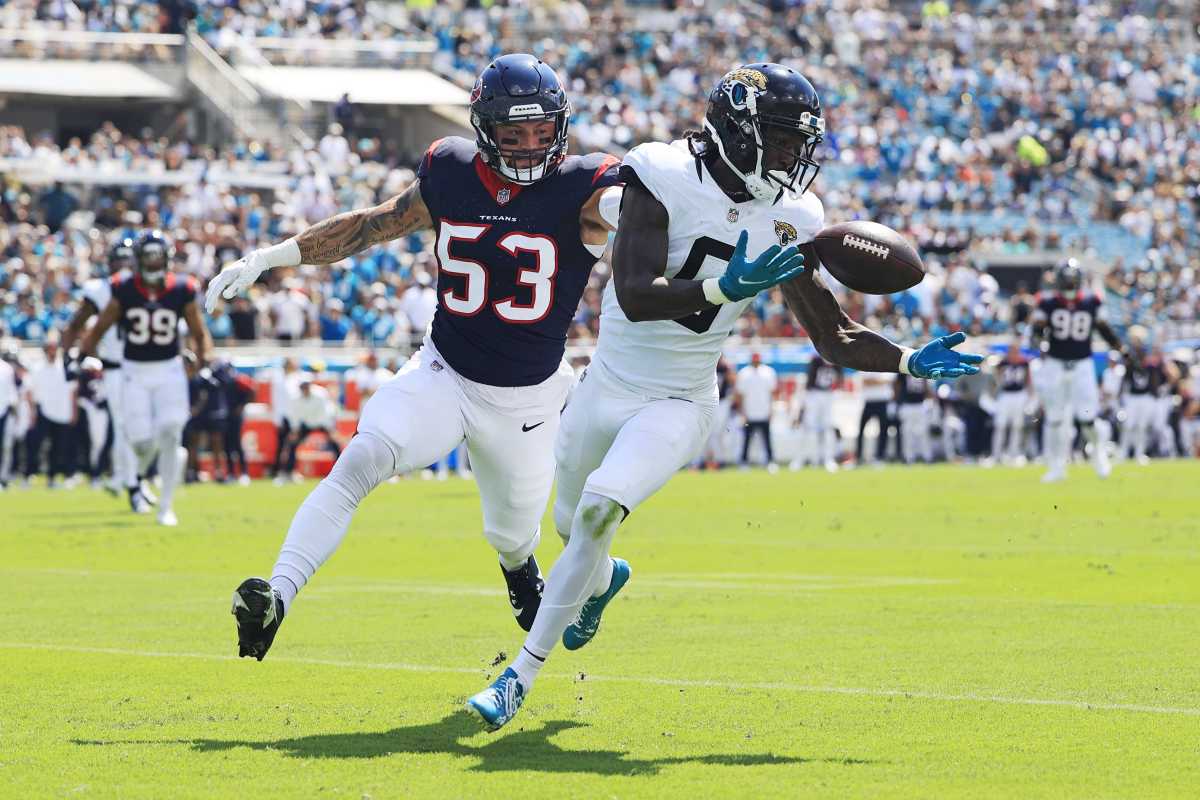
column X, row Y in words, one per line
column 259, row 610
column 524, row 591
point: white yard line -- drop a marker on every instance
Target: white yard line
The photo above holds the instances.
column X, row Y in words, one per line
column 965, row 697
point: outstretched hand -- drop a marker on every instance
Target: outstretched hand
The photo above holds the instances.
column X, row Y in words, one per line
column 938, row 359
column 234, row 279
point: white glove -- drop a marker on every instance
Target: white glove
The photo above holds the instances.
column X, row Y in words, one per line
column 241, row 274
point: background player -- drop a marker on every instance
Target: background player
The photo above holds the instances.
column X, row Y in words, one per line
column 149, row 305
column 519, row 226
column 97, row 293
column 1065, row 321
column 817, row 422
column 1014, row 383
column 645, row 405
column 912, row 410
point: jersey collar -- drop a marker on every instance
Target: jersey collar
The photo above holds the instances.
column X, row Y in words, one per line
column 500, row 190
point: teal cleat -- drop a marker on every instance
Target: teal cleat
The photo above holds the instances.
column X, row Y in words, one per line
column 585, row 625
column 498, row 703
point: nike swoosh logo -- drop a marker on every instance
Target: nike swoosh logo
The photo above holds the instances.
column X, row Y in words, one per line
column 528, row 428
column 745, row 282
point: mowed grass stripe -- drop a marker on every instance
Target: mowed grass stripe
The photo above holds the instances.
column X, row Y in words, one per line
column 643, row 679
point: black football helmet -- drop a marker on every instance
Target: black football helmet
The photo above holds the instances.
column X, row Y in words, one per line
column 1068, row 277
column 153, row 251
column 762, row 115
column 519, row 88
column 121, row 256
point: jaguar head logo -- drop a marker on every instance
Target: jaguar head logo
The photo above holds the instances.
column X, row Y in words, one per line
column 786, row 232
column 750, row 77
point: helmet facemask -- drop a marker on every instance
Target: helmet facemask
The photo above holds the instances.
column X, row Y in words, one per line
column 507, row 160
column 153, row 261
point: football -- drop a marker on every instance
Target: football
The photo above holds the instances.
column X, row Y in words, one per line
column 868, row 257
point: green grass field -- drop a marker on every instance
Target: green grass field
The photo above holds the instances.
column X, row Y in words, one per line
column 929, row 632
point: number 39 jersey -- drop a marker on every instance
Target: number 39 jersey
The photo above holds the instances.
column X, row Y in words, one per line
column 678, row 358
column 150, row 317
column 1070, row 321
column 511, row 264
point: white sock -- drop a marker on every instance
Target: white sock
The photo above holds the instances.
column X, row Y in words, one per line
column 527, row 666
column 321, row 522
column 168, row 465
column 571, row 580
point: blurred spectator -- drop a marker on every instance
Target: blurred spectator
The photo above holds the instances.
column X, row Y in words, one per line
column 312, row 411
column 53, row 398
column 756, row 385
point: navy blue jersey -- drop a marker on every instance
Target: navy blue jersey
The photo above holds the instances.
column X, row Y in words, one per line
column 1013, row 375
column 511, row 265
column 910, row 389
column 1144, row 377
column 822, row 376
column 150, row 317
column 1070, row 321
column 725, row 378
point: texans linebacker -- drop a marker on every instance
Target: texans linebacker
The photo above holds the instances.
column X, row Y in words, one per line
column 1065, row 321
column 149, row 305
column 1013, row 383
column 692, row 211
column 519, row 225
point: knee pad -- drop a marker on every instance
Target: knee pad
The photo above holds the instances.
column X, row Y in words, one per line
column 169, row 435
column 365, row 463
column 597, row 515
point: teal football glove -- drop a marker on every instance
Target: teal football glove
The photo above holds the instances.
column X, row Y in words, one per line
column 938, row 360
column 743, row 279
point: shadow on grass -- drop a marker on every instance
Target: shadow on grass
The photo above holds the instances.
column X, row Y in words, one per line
column 514, row 751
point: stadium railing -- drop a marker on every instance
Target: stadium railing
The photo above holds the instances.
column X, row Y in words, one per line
column 42, row 43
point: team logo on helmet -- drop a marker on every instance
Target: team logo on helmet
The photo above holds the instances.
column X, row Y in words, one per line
column 503, row 196
column 751, row 77
column 786, row 232
column 477, row 90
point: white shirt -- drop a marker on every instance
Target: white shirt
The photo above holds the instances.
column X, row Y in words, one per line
column 756, row 387
column 52, row 392
column 284, row 389
column 418, row 304
column 666, row 358
column 880, row 388
column 8, row 387
column 292, row 310
column 98, row 292
column 314, row 411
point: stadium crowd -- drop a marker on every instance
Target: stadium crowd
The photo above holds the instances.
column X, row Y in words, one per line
column 943, row 123
column 1094, row 126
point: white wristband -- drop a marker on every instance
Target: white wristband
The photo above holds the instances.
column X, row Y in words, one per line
column 905, row 354
column 284, row 254
column 712, row 291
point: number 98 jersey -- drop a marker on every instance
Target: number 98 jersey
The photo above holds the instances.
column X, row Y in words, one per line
column 1070, row 322
column 150, row 316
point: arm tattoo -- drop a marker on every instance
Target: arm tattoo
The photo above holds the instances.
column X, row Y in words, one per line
column 839, row 339
column 346, row 234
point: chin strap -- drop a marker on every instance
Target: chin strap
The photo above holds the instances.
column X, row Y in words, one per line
column 755, row 184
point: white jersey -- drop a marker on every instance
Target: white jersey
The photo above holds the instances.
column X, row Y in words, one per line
column 678, row 358
column 98, row 292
